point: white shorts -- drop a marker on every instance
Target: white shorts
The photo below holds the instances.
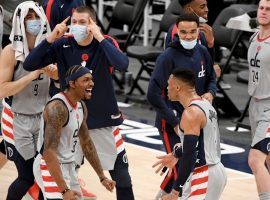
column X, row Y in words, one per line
column 46, row 182
column 205, row 183
column 108, row 143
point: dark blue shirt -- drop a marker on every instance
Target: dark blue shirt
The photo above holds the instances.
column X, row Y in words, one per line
column 101, row 58
column 59, row 10
column 175, row 56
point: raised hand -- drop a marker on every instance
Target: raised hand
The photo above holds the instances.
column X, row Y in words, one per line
column 95, row 30
column 58, row 31
column 52, row 71
column 208, row 33
column 165, row 161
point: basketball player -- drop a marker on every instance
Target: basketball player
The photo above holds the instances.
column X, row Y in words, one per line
column 202, row 175
column 63, row 128
column 25, row 94
column 186, row 53
column 89, row 48
column 259, row 108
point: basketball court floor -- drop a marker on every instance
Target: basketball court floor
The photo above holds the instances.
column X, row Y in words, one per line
column 143, row 145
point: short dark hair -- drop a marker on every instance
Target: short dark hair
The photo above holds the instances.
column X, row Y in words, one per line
column 89, row 10
column 183, row 3
column 190, row 17
column 185, row 75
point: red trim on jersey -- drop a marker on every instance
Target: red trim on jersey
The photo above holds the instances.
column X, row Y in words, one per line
column 198, row 192
column 195, row 99
column 174, row 32
column 7, row 123
column 51, row 189
column 165, row 181
column 43, row 167
column 8, row 112
column 169, row 150
column 262, row 39
column 69, row 101
column 48, row 10
column 200, row 169
column 8, row 134
column 199, row 181
column 48, row 179
column 116, row 132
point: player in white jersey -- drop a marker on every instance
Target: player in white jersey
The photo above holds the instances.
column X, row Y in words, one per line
column 63, row 129
column 259, row 108
column 25, row 94
column 202, row 174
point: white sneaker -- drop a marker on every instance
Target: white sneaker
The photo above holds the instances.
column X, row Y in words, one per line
column 225, row 86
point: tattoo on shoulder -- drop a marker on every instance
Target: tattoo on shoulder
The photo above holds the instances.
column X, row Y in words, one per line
column 55, row 116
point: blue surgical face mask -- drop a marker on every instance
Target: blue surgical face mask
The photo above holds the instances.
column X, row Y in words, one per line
column 79, row 32
column 188, row 44
column 33, row 26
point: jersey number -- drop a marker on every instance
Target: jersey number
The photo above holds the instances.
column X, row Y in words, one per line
column 75, row 135
column 255, row 76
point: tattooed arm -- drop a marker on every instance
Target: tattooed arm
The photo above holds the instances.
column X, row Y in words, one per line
column 90, row 153
column 55, row 116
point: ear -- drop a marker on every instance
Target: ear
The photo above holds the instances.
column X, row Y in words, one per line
column 189, row 9
column 71, row 84
column 178, row 88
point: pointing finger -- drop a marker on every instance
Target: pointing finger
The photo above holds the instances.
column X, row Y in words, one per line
column 65, row 20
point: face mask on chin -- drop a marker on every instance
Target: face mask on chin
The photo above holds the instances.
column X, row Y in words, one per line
column 188, row 44
column 201, row 19
column 33, row 26
column 79, row 32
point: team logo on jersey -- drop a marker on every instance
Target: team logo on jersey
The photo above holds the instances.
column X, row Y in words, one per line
column 125, row 158
column 268, row 147
column 202, row 72
column 212, row 115
column 85, row 57
column 18, row 38
column 10, row 152
column 254, row 62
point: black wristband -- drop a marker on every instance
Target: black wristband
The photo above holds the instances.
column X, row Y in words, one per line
column 64, row 191
column 102, row 179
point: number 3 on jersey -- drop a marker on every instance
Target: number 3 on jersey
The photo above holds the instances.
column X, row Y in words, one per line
column 75, row 140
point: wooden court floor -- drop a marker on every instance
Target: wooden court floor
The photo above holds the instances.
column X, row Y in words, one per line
column 240, row 186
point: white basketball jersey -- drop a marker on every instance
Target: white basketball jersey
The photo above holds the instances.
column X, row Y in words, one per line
column 259, row 67
column 209, row 152
column 69, row 135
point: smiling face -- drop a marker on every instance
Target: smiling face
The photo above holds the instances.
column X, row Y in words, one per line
column 83, row 86
column 263, row 13
column 199, row 7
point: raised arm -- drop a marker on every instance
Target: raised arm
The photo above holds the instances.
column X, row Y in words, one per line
column 90, row 153
column 43, row 54
column 55, row 116
column 7, row 69
column 110, row 47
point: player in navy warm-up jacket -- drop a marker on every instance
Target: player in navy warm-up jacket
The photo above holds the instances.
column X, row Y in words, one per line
column 186, row 53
